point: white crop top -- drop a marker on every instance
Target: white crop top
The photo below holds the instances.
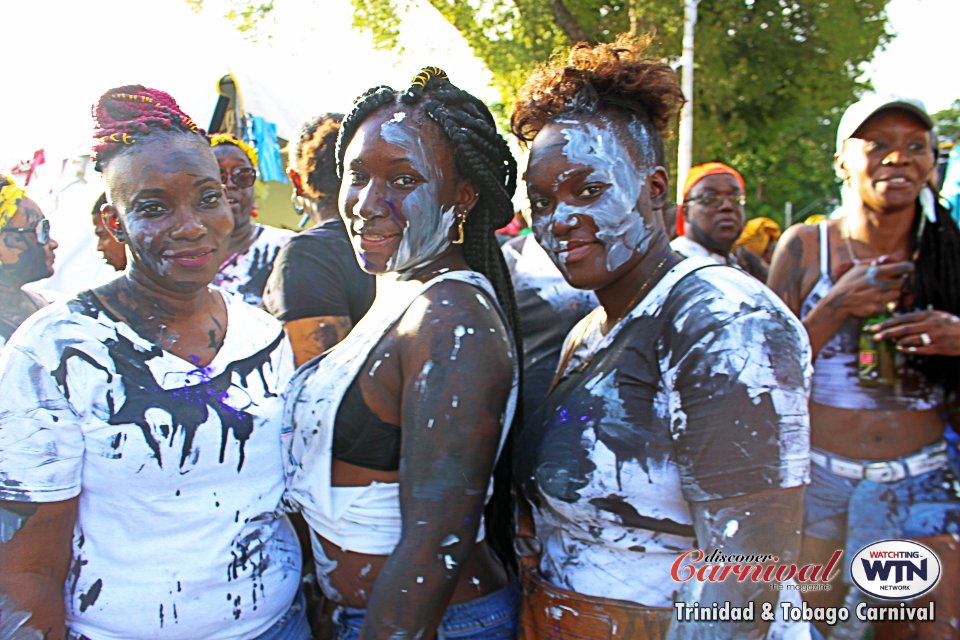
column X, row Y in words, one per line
column 364, row 519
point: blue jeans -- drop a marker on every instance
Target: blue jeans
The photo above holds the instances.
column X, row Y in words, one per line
column 292, row 625
column 490, row 617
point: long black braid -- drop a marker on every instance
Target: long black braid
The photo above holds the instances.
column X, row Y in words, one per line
column 482, row 156
column 936, row 285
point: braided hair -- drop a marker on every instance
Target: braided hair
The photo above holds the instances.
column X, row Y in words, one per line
column 482, row 156
column 313, row 156
column 935, row 285
column 124, row 115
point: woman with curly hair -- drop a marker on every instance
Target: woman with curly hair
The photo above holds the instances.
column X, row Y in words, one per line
column 677, row 419
column 317, row 289
column 397, row 429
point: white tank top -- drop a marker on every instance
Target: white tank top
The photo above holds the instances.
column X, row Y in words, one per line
column 363, row 519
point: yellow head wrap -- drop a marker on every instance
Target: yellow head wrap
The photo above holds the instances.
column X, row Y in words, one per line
column 229, row 138
column 10, row 195
column 758, row 233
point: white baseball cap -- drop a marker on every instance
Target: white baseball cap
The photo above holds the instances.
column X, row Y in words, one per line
column 862, row 110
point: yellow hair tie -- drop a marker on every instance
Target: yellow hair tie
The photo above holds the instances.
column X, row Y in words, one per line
column 118, row 137
column 227, row 138
column 421, row 79
column 10, row 195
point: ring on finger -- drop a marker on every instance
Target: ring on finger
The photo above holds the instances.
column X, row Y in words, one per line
column 925, row 339
column 871, row 276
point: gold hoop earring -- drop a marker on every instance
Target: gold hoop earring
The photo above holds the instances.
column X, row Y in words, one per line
column 460, row 220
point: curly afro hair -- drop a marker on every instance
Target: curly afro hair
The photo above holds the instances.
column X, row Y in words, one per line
column 593, row 79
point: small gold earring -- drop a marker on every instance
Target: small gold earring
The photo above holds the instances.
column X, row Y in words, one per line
column 460, row 220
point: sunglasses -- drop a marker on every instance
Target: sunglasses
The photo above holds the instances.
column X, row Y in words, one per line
column 242, row 177
column 41, row 230
column 715, row 201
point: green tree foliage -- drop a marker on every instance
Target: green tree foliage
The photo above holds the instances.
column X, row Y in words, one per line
column 772, row 76
column 245, row 15
column 948, row 123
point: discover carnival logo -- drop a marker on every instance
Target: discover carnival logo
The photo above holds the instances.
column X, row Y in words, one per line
column 895, row 569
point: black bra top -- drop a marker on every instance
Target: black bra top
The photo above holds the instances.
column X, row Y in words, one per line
column 361, row 438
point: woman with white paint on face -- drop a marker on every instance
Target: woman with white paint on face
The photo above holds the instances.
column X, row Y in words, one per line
column 141, row 460
column 397, row 428
column 878, row 291
column 677, row 419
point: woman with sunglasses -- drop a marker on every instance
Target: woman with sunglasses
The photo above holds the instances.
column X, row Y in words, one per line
column 253, row 247
column 26, row 255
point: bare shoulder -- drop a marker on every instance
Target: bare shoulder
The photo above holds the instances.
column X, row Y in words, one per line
column 453, row 304
column 793, row 267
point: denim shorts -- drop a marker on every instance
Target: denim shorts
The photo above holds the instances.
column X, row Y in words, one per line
column 860, row 512
column 490, row 617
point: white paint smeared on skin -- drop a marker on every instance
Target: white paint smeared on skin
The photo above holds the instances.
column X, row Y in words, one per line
column 420, row 385
column 449, row 540
column 475, row 582
column 373, row 369
column 458, row 333
column 621, row 227
column 427, row 224
column 449, row 562
column 365, row 571
column 455, row 402
column 730, row 529
column 430, row 423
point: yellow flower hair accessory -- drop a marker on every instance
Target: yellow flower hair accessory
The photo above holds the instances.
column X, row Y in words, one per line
column 229, row 138
column 10, row 195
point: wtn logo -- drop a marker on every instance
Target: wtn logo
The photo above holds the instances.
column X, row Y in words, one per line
column 895, row 569
column 903, row 570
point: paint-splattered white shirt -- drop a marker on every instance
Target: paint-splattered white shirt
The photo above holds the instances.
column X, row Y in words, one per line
column 177, row 468
column 699, row 394
column 246, row 274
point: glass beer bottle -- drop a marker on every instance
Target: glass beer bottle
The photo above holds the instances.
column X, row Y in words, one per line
column 877, row 359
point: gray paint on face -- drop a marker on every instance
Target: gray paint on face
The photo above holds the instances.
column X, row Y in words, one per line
column 621, row 226
column 426, row 223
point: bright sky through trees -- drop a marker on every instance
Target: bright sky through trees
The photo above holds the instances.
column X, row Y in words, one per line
column 60, row 55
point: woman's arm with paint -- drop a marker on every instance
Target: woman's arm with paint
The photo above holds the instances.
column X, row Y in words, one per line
column 35, row 551
column 456, row 358
column 741, row 433
column 755, row 524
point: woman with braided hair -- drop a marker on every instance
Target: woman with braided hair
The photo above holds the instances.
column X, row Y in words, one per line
column 878, row 289
column 398, row 427
column 253, row 246
column 677, row 417
column 140, row 440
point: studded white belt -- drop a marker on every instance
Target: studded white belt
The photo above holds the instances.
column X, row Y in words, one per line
column 932, row 458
